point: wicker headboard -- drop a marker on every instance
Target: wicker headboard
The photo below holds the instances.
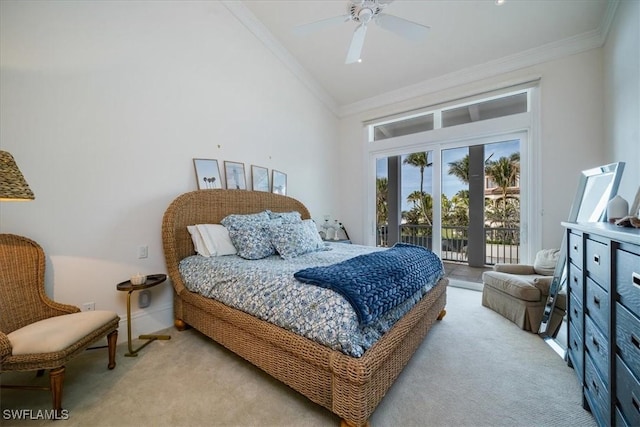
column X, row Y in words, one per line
column 210, row 207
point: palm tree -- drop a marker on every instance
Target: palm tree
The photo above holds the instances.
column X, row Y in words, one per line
column 422, row 207
column 505, row 173
column 460, row 169
column 382, row 191
column 419, row 160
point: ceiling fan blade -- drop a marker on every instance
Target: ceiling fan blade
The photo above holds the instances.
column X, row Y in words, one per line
column 304, row 29
column 357, row 41
column 402, row 27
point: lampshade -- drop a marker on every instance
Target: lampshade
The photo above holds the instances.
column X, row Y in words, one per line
column 12, row 184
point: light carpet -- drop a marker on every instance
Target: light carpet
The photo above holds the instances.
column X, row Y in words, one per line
column 474, row 369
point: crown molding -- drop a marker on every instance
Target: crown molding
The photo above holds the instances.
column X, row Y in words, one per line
column 527, row 58
column 548, row 52
column 248, row 19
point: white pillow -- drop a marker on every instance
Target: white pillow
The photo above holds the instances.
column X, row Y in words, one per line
column 216, row 239
column 545, row 262
column 198, row 242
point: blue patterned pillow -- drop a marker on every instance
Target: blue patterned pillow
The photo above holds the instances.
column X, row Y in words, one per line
column 295, row 239
column 286, row 217
column 238, row 221
column 249, row 235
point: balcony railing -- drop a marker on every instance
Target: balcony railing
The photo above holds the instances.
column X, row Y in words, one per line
column 502, row 245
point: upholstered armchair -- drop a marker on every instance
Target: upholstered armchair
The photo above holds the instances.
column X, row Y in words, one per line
column 519, row 292
column 36, row 333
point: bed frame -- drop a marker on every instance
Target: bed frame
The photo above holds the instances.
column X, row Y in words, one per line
column 349, row 387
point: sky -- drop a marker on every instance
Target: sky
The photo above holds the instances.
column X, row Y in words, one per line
column 450, row 183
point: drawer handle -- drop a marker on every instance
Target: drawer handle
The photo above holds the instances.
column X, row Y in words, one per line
column 593, row 339
column 575, row 248
column 596, row 300
column 635, row 279
column 635, row 341
column 634, row 401
column 595, row 386
column 596, row 259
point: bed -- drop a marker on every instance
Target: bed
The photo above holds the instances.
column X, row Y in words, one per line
column 350, row 387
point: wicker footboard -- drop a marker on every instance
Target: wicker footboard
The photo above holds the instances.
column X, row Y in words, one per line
column 349, row 387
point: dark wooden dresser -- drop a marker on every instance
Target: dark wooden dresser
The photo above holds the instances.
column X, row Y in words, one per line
column 604, row 319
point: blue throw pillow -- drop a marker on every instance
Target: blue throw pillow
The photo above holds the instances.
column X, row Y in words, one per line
column 295, row 239
column 286, row 217
column 249, row 235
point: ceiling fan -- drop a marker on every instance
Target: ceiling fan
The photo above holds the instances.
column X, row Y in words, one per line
column 364, row 12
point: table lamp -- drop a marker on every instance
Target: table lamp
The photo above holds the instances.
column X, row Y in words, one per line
column 13, row 186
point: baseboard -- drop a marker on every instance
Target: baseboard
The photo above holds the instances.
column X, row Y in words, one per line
column 465, row 285
column 147, row 321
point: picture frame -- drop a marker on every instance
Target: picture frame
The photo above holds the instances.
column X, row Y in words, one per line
column 259, row 178
column 207, row 174
column 279, row 182
column 235, row 176
column 635, row 205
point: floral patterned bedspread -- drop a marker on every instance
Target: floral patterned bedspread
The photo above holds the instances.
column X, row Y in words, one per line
column 267, row 289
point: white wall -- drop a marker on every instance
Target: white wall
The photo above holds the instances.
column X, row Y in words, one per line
column 105, row 104
column 571, row 136
column 622, row 95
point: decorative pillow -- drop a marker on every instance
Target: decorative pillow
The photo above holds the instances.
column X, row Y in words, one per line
column 235, row 221
column 248, row 234
column 295, row 239
column 198, row 242
column 286, row 217
column 216, row 239
column 545, row 262
column 252, row 241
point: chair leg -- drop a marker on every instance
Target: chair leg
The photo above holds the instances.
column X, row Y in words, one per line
column 112, row 340
column 56, row 378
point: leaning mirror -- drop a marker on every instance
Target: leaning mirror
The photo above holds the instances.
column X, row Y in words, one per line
column 595, row 188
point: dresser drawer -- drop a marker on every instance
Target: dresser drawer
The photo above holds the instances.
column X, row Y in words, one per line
column 628, row 338
column 575, row 248
column 575, row 351
column 575, row 315
column 628, row 280
column 597, row 305
column 597, row 262
column 597, row 394
column 620, row 421
column 575, row 281
column 597, row 347
column 628, row 393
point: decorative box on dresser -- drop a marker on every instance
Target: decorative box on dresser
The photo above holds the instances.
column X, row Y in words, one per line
column 604, row 319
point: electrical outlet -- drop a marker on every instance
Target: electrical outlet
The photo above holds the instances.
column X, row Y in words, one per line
column 143, row 251
column 144, row 298
column 89, row 306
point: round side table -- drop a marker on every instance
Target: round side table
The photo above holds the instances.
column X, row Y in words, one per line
column 152, row 280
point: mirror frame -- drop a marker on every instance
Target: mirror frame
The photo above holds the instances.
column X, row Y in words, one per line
column 560, row 273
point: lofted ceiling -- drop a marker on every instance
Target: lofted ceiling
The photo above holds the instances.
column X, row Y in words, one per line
column 467, row 37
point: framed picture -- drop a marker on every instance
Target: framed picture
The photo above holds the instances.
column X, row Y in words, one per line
column 234, row 174
column 279, row 180
column 259, row 178
column 635, row 205
column 207, row 173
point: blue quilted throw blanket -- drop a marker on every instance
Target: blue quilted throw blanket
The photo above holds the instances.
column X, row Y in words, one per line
column 376, row 282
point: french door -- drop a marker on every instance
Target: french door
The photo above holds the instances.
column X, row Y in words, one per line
column 462, row 199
